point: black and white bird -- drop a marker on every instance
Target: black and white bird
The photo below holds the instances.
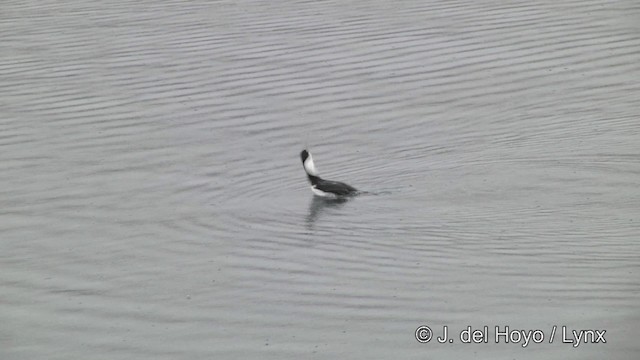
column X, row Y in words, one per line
column 322, row 187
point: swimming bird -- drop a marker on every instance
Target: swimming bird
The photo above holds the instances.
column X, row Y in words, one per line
column 322, row 187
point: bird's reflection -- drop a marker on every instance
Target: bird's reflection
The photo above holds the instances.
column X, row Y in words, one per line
column 319, row 204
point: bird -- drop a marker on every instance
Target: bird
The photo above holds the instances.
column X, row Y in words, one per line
column 320, row 186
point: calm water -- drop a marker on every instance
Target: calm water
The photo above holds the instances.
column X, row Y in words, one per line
column 154, row 205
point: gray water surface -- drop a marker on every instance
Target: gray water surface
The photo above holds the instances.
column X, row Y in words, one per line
column 154, row 205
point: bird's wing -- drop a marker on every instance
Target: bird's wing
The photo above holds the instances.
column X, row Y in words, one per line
column 335, row 187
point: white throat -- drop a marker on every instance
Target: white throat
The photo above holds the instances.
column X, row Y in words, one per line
column 310, row 167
